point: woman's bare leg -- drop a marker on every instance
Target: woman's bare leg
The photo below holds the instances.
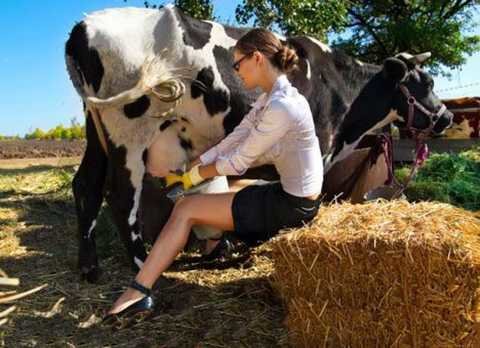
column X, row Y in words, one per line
column 206, row 209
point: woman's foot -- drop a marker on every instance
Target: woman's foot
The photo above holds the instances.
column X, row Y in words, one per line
column 135, row 300
column 217, row 248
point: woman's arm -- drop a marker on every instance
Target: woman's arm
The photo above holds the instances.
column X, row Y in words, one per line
column 208, row 171
column 274, row 123
column 239, row 133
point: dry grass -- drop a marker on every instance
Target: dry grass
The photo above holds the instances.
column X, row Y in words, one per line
column 198, row 305
column 382, row 274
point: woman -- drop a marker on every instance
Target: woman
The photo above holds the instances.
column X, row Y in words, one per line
column 279, row 129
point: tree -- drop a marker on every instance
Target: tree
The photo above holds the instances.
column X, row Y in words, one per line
column 294, row 17
column 200, row 9
column 376, row 29
column 36, row 134
column 381, row 28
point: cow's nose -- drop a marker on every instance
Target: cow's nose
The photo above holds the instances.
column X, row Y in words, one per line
column 445, row 121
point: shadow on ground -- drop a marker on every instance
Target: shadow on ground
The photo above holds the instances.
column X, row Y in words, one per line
column 197, row 306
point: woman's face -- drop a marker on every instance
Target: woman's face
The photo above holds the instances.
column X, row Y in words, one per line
column 247, row 67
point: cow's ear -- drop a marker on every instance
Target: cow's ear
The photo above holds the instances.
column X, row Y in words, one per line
column 394, row 70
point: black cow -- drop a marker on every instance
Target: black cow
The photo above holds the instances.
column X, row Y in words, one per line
column 158, row 90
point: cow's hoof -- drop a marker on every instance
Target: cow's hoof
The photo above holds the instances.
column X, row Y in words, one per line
column 91, row 274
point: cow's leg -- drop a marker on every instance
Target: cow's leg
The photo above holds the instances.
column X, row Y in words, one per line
column 128, row 168
column 87, row 188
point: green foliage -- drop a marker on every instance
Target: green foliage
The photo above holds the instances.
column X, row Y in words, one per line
column 376, row 29
column 450, row 178
column 294, row 17
column 75, row 131
column 200, row 9
column 381, row 28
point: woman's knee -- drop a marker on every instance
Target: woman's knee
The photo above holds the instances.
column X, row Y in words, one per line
column 182, row 209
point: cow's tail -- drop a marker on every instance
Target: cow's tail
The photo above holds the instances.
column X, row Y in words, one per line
column 156, row 79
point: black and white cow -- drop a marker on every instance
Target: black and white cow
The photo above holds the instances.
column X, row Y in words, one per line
column 105, row 56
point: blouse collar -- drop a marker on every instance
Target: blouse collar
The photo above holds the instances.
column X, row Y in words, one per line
column 280, row 83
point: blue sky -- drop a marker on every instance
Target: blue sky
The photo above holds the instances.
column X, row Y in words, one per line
column 35, row 90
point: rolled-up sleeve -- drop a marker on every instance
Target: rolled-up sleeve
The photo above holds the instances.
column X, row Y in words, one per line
column 272, row 126
column 239, row 133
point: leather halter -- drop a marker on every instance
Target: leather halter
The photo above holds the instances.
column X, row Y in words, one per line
column 421, row 148
column 432, row 117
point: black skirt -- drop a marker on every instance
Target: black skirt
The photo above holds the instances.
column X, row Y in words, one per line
column 260, row 211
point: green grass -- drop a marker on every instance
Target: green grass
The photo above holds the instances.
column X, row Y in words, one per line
column 449, row 178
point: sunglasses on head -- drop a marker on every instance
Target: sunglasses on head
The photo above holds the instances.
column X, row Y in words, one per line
column 236, row 65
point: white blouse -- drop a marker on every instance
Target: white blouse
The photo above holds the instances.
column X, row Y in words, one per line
column 278, row 130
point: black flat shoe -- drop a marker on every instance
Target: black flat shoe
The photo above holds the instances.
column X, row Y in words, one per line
column 136, row 311
column 223, row 248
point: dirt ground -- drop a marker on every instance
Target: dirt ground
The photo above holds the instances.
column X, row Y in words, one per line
column 41, row 148
column 198, row 304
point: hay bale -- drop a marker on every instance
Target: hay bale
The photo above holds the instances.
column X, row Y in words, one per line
column 382, row 274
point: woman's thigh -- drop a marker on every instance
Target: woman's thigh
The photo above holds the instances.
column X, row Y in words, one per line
column 213, row 209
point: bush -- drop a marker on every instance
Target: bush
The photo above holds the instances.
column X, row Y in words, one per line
column 75, row 131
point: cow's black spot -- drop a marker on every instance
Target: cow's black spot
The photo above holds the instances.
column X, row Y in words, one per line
column 137, row 108
column 145, row 157
column 165, row 125
column 196, row 33
column 215, row 100
column 338, row 104
column 186, row 144
column 235, row 33
column 86, row 59
column 203, row 83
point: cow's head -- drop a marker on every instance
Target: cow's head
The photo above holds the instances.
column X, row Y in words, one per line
column 419, row 109
column 402, row 93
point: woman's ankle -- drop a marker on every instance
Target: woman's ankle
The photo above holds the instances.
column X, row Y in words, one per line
column 210, row 246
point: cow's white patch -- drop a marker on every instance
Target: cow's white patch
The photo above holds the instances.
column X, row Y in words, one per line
column 92, row 226
column 138, row 262
column 325, row 48
column 309, row 70
column 134, row 236
column 347, row 149
column 133, row 161
column 123, row 38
